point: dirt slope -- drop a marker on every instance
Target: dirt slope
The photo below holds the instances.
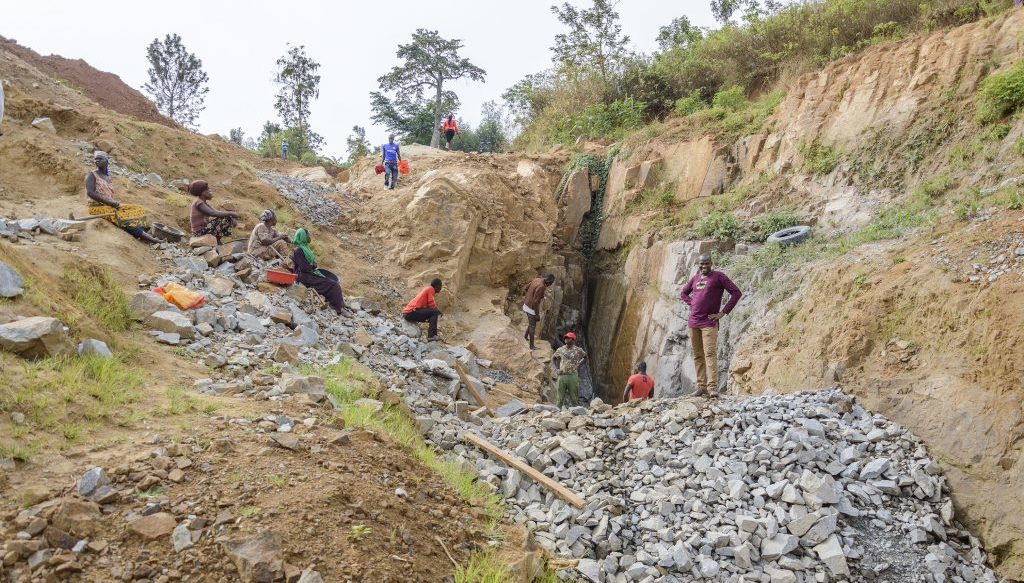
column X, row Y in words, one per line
column 104, row 88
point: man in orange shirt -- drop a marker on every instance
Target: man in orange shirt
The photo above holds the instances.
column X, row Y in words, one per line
column 423, row 309
column 639, row 386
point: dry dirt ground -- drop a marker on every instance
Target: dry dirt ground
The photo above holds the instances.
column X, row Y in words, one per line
column 104, row 88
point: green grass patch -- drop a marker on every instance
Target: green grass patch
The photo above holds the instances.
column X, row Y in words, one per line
column 770, row 222
column 893, row 223
column 819, row 158
column 1001, row 94
column 483, row 567
column 94, row 289
column 179, row 401
column 358, row 532
column 249, row 511
column 723, row 226
column 1018, row 146
column 345, row 384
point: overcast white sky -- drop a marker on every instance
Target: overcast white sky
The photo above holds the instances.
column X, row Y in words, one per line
column 354, row 42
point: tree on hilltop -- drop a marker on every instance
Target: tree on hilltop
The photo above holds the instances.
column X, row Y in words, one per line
column 357, row 145
column 298, row 86
column 176, row 80
column 594, row 41
column 680, row 33
column 236, row 136
column 429, row 61
column 723, row 10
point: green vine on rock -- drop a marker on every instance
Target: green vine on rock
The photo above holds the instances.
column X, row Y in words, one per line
column 595, row 166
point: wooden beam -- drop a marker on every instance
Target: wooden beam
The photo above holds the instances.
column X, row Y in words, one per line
column 480, row 400
column 558, row 489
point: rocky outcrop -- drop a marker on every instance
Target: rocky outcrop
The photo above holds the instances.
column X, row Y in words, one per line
column 637, row 315
column 36, row 337
column 486, row 227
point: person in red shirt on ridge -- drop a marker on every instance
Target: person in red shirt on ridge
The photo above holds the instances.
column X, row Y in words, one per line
column 423, row 309
column 449, row 127
column 639, row 386
column 704, row 296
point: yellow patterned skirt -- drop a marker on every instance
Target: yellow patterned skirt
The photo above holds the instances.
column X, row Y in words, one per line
column 129, row 216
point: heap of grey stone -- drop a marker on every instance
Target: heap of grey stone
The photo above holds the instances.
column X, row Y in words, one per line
column 244, row 329
column 28, row 227
column 313, row 199
column 797, row 488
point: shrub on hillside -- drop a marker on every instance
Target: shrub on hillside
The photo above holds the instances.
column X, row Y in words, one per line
column 1001, row 94
column 819, row 158
column 691, row 103
column 601, row 120
column 798, row 37
column 771, row 222
column 722, row 226
column 728, row 100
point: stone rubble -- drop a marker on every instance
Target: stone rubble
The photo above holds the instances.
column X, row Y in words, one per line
column 316, row 201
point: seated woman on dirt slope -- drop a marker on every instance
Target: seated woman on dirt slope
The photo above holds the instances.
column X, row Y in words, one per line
column 323, row 281
column 99, row 191
column 205, row 219
column 266, row 243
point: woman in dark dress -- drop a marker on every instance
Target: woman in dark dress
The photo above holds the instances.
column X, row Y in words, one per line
column 323, row 281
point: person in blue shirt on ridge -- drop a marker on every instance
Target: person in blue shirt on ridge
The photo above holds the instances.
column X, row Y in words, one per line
column 391, row 155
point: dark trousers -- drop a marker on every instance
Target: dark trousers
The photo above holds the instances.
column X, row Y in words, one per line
column 425, row 315
column 531, row 327
column 391, row 170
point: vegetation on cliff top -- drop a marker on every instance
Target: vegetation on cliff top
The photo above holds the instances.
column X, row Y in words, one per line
column 598, row 89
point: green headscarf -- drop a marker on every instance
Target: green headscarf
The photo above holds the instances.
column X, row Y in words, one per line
column 301, row 240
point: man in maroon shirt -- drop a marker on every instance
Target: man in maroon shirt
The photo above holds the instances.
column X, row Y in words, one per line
column 704, row 296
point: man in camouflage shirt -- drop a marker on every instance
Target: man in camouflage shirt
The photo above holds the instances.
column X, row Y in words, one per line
column 567, row 361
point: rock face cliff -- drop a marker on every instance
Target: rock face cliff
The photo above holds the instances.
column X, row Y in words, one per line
column 924, row 327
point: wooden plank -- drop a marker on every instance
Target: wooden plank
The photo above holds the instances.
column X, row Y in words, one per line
column 480, row 400
column 558, row 489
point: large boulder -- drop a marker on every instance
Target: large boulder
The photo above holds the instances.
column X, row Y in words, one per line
column 257, row 558
column 95, row 348
column 77, row 517
column 11, row 284
column 574, row 203
column 36, row 337
column 313, row 386
column 146, row 303
column 154, row 526
column 171, row 322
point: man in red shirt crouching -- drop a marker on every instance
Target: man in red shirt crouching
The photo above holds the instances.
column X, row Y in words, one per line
column 639, row 386
column 423, row 309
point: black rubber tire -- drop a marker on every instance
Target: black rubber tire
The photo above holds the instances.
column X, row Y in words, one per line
column 790, row 236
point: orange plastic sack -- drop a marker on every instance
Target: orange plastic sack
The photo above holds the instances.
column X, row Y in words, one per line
column 403, row 167
column 181, row 296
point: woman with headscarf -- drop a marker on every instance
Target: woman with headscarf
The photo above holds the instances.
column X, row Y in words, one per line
column 204, row 219
column 99, row 194
column 265, row 242
column 323, row 281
